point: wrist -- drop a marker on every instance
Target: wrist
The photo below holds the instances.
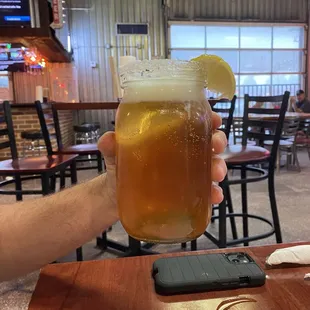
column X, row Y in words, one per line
column 102, row 195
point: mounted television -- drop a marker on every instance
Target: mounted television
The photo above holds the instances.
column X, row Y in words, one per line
column 15, row 13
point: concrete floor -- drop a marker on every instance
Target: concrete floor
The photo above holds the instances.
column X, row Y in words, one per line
column 293, row 197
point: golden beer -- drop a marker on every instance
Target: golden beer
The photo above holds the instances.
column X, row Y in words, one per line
column 163, row 134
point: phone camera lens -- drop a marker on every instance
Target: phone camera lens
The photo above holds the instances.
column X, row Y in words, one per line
column 235, row 260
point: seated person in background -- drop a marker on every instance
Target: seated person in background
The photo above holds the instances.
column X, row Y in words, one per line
column 302, row 104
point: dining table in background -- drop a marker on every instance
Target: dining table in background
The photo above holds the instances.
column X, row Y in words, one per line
column 126, row 283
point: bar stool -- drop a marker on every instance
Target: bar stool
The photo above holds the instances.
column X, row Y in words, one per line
column 31, row 142
column 95, row 129
column 86, row 133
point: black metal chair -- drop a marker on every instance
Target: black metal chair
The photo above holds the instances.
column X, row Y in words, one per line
column 287, row 143
column 227, row 108
column 227, row 112
column 46, row 168
column 47, row 112
column 244, row 157
column 52, row 130
column 226, row 128
column 302, row 139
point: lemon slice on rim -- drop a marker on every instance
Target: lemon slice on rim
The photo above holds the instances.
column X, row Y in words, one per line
column 219, row 76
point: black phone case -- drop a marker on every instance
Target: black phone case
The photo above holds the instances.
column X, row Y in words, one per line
column 205, row 272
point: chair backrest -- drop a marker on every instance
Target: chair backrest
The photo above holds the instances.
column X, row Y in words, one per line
column 290, row 128
column 227, row 108
column 267, row 123
column 237, row 129
column 49, row 123
column 304, row 126
column 7, row 129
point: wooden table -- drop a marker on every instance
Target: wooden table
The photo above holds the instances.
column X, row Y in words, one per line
column 126, row 283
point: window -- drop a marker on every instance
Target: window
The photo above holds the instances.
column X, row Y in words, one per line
column 232, row 57
column 255, row 61
column 266, row 59
column 255, row 37
column 188, row 36
column 222, row 37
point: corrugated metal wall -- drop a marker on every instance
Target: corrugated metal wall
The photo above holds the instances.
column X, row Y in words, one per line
column 239, row 10
column 93, row 27
column 25, row 85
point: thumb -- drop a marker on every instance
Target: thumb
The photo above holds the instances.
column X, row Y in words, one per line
column 106, row 146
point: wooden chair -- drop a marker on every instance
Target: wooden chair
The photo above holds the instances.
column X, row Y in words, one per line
column 43, row 167
column 52, row 129
column 244, row 157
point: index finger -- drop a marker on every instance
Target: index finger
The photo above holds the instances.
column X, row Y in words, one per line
column 216, row 121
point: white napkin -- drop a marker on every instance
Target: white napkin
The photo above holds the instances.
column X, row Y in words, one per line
column 294, row 255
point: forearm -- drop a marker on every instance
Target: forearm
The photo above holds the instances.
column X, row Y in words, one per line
column 36, row 232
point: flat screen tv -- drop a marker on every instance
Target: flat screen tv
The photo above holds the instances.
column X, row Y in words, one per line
column 14, row 13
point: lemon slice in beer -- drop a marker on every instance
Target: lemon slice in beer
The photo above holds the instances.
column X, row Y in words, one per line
column 146, row 126
column 219, row 76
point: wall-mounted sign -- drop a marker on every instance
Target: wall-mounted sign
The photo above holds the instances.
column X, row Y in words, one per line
column 14, row 13
column 57, row 14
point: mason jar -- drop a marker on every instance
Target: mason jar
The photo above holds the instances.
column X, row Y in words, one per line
column 163, row 135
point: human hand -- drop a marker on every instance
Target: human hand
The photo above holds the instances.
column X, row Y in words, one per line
column 106, row 146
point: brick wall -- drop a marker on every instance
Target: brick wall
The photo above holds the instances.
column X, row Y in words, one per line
column 26, row 119
column 66, row 127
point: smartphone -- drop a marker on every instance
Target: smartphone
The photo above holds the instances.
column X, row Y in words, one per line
column 206, row 272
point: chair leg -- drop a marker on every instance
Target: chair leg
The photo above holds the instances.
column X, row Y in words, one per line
column 222, row 219
column 99, row 163
column 18, row 187
column 244, row 201
column 53, row 183
column 308, row 149
column 273, row 205
column 231, row 211
column 212, row 219
column 62, row 179
column 79, row 254
column 288, row 158
column 295, row 157
column 194, row 245
column 278, row 160
column 45, row 184
column 73, row 173
column 102, row 242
